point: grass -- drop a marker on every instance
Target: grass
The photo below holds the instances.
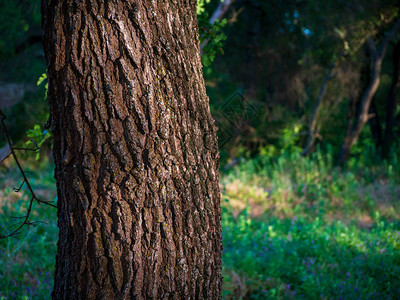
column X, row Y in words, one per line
column 27, row 262
column 300, row 259
column 293, row 228
column 299, row 228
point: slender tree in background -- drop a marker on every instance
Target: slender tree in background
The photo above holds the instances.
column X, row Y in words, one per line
column 312, row 130
column 135, row 151
column 377, row 56
column 384, row 137
column 388, row 136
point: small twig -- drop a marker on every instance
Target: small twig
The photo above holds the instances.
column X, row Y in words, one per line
column 41, row 222
column 17, row 218
column 26, row 149
column 25, row 180
column 20, row 187
column 25, row 222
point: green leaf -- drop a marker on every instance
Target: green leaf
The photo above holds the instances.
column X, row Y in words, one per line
column 42, row 78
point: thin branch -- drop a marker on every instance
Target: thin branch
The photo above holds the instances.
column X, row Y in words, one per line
column 20, row 187
column 28, row 149
column 25, row 221
column 25, row 180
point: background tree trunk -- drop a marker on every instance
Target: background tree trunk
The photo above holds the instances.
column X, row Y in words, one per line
column 375, row 125
column 135, row 151
column 308, row 148
column 377, row 56
column 391, row 103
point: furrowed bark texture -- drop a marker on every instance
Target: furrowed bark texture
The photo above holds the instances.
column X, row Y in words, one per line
column 135, row 151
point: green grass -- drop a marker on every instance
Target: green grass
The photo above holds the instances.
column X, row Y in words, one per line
column 287, row 259
column 293, row 228
column 27, row 262
column 299, row 228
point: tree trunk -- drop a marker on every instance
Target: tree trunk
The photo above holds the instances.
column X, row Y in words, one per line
column 135, row 152
column 314, row 117
column 391, row 103
column 362, row 116
column 362, row 112
column 375, row 125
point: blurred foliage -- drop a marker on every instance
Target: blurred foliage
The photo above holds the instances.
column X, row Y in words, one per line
column 20, row 19
column 37, row 136
column 277, row 55
column 212, row 36
column 21, row 61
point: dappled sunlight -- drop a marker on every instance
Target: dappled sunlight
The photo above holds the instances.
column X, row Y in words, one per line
column 313, row 191
column 306, row 230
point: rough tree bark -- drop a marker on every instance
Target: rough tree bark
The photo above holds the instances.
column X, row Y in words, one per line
column 377, row 56
column 135, row 151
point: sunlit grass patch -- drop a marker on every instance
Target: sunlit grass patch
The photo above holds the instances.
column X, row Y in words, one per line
column 290, row 185
column 299, row 228
column 306, row 259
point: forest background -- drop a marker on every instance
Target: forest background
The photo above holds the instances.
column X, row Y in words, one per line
column 306, row 98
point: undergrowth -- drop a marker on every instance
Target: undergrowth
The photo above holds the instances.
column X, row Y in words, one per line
column 27, row 261
column 293, row 228
column 301, row 228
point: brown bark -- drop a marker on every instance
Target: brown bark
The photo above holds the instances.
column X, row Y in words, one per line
column 377, row 56
column 135, row 151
